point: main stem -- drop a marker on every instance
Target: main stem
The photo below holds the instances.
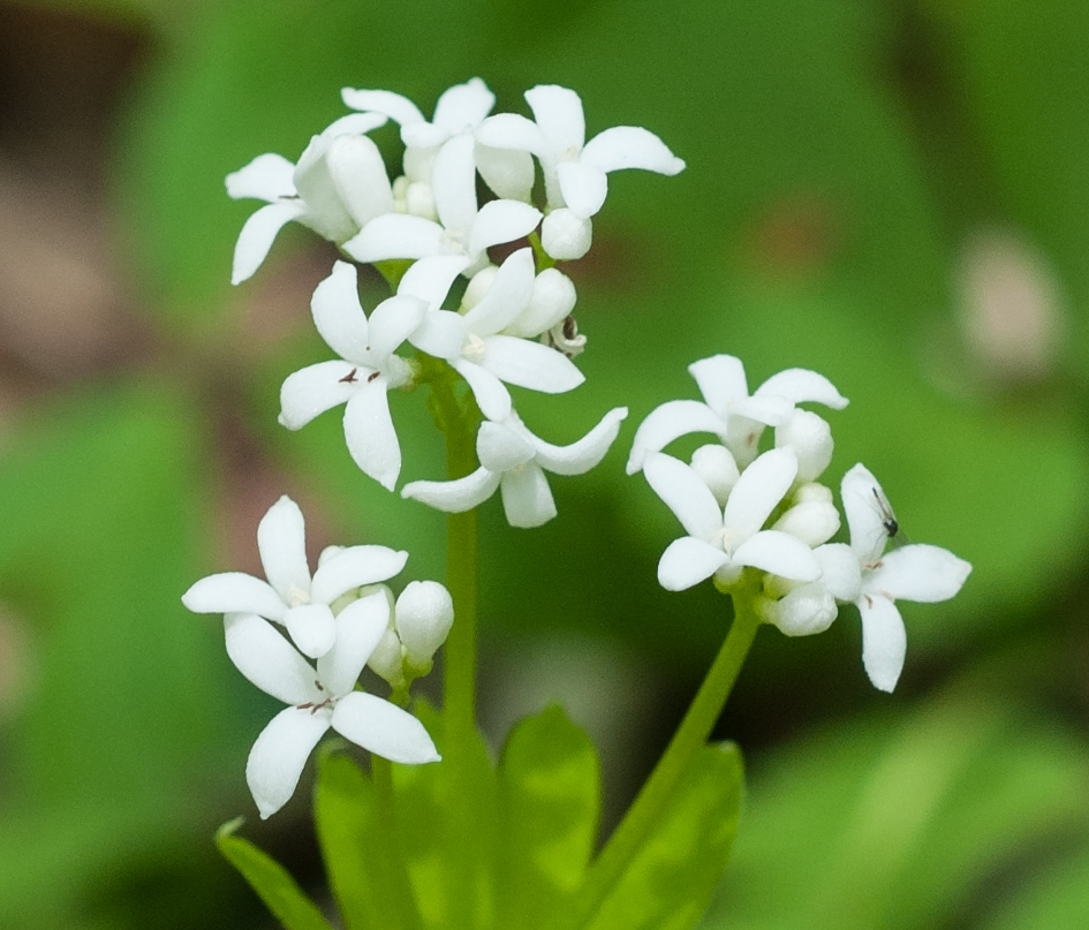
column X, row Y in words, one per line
column 691, row 737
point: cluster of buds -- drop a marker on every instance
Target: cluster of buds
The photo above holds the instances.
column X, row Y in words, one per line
column 766, row 518
column 512, row 324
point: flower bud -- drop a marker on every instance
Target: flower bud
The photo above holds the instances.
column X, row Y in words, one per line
column 807, row 609
column 343, row 181
column 717, row 469
column 814, row 522
column 551, row 302
column 387, row 659
column 811, row 438
column 423, row 616
column 566, row 236
column 478, row 286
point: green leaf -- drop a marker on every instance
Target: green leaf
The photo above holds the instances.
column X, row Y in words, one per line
column 549, row 806
column 346, row 818
column 272, row 882
column 671, row 881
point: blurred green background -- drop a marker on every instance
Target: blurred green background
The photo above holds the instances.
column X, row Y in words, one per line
column 892, row 192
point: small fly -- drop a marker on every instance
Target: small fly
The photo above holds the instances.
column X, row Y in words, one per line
column 888, row 519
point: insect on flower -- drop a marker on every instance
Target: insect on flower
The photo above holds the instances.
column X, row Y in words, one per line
column 888, row 519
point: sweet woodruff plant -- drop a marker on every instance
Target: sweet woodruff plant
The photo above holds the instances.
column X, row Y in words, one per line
column 433, row 833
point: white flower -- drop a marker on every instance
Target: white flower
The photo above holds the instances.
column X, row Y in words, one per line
column 419, row 623
column 477, row 345
column 338, row 186
column 729, row 411
column 320, row 698
column 290, row 596
column 514, row 460
column 366, row 371
column 575, row 173
column 912, row 572
column 722, row 542
column 464, row 230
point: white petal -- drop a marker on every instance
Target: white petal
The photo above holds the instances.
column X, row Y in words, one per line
column 383, row 728
column 511, row 131
column 813, row 522
column 395, row 235
column 441, row 333
column 682, row 491
column 527, row 498
column 391, row 323
column 359, row 175
column 884, row 640
column 269, row 661
column 840, row 572
column 463, row 106
column 492, row 397
column 810, row 437
column 502, row 221
column 862, row 497
column 799, row 385
column 267, row 177
column 768, row 409
column 918, row 573
column 326, row 211
column 779, row 553
column 530, row 365
column 759, row 490
column 354, row 124
column 558, row 111
column 551, row 301
column 630, row 147
column 507, row 296
column 687, row 562
column 312, row 629
column 454, row 183
column 583, row 186
column 359, row 627
column 721, row 380
column 565, row 236
column 396, row 107
column 507, row 172
column 423, row 616
column 311, row 391
column 585, row 453
column 355, row 567
column 805, row 610
column 430, row 278
column 281, row 540
column 500, row 449
column 454, row 496
column 371, row 437
column 258, row 234
column 279, row 756
column 717, row 469
column 338, row 314
column 234, row 591
column 671, row 420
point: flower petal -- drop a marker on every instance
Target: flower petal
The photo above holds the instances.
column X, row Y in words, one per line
column 884, row 640
column 258, row 234
column 359, row 627
column 583, row 187
column 463, row 106
column 500, row 448
column 441, row 333
column 391, row 323
column 583, row 454
column 228, row 592
column 551, row 301
column 511, row 131
column 281, row 541
column 687, row 562
column 278, row 757
column 311, row 391
column 355, row 567
column 527, row 498
column 558, row 111
column 359, row 176
column 312, row 629
column 267, row 178
column 685, row 494
column 779, row 553
column 862, row 503
column 506, row 297
column 721, row 380
column 454, row 183
column 502, row 221
column 395, row 235
column 492, row 397
column 354, row 124
column 430, row 279
column 454, row 496
column 630, row 147
column 384, row 729
column 671, row 420
column 371, row 437
column 507, row 172
column 395, row 106
column 799, row 385
column 530, row 365
column 758, row 491
column 840, row 572
column 338, row 314
column 918, row 573
column 269, row 661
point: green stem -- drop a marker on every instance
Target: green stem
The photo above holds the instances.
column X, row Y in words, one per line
column 691, row 737
column 401, row 900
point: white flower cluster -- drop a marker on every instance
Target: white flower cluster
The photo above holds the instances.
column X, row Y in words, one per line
column 513, row 324
column 337, row 619
column 766, row 512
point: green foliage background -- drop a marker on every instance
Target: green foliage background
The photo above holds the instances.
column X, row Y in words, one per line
column 839, row 155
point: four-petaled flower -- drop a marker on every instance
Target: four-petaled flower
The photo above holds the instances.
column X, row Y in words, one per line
column 290, row 596
column 320, row 698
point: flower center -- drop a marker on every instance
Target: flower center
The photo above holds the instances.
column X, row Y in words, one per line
column 297, row 597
